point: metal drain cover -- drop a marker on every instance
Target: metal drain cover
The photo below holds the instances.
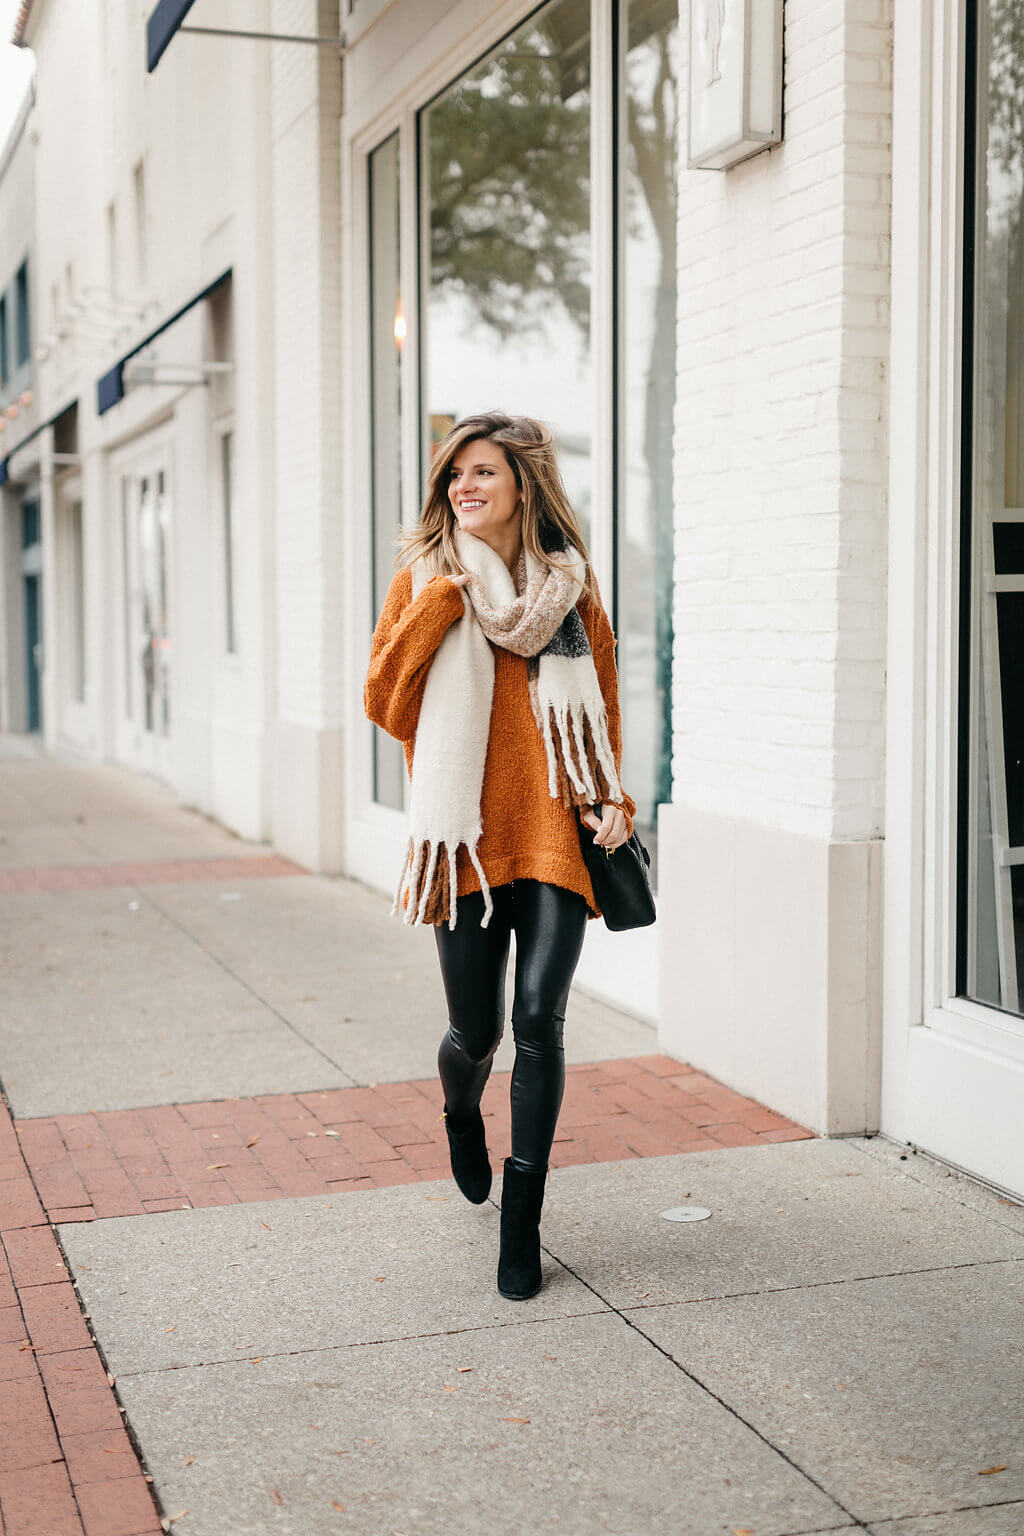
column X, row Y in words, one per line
column 686, row 1213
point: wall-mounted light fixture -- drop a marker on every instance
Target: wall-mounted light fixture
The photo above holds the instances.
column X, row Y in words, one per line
column 735, row 107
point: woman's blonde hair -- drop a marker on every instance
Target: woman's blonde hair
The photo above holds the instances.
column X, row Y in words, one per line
column 548, row 518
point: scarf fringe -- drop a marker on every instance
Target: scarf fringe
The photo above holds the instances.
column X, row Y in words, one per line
column 570, row 796
column 426, row 883
column 591, row 777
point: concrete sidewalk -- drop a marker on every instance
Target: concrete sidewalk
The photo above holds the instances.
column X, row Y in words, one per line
column 221, row 1077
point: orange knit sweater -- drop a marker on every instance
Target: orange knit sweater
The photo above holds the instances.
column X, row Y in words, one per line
column 525, row 834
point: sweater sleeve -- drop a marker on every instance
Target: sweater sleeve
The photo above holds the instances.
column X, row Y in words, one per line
column 602, row 644
column 404, row 642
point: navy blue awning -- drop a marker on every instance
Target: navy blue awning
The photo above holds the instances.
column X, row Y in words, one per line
column 4, row 472
column 164, row 21
column 110, row 388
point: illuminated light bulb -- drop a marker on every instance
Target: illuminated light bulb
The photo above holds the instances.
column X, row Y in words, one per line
column 400, row 327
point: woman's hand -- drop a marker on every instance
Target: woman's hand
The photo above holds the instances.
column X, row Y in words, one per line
column 611, row 831
column 460, row 581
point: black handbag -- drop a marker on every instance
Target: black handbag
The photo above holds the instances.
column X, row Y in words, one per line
column 622, row 884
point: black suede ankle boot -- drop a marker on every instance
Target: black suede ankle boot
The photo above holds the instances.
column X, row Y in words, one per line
column 522, row 1195
column 467, row 1147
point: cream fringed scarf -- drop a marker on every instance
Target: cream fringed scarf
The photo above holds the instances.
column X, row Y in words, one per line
column 455, row 716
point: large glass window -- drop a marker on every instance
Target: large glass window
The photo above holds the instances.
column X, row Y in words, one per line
column 992, row 825
column 387, row 335
column 230, row 536
column 547, row 287
column 647, row 317
column 126, row 591
column 77, row 602
column 506, row 281
column 24, row 328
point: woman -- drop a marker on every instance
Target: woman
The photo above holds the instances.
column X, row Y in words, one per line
column 493, row 662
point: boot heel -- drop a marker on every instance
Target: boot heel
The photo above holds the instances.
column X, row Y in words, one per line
column 522, row 1195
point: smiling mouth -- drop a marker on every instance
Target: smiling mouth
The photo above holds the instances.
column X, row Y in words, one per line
column 474, row 503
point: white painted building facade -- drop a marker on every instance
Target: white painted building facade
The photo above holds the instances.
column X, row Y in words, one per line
column 794, row 522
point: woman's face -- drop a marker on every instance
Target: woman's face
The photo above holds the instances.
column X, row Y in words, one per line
column 483, row 492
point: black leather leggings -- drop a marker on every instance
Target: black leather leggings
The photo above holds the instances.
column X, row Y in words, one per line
column 550, row 925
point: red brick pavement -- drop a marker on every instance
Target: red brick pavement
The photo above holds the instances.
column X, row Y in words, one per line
column 67, row 1465
column 127, row 1162
column 89, row 877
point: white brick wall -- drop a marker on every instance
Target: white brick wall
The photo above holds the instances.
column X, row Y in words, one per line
column 781, row 448
column 305, row 97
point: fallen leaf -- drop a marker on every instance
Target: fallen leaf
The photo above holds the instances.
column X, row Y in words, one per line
column 257, row 1359
column 172, row 1518
column 465, row 1367
column 115, row 1450
column 171, row 1328
column 339, row 1507
column 211, row 1166
column 335, row 1134
column 26, row 1345
column 110, row 1379
column 1014, row 1203
column 252, row 1141
column 369, row 1442
column 550, row 1357
column 276, row 1496
column 742, row 1530
column 188, row 1461
column 264, row 1226
column 380, row 1277
column 987, row 1471
column 515, row 1421
column 450, row 1389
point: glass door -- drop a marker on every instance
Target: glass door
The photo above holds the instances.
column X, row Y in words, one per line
column 992, row 842
column 32, row 600
column 146, row 617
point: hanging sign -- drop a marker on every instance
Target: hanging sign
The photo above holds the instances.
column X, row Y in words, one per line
column 735, row 92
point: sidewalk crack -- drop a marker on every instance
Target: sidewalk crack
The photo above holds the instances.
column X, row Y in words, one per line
column 703, row 1386
column 399, row 1338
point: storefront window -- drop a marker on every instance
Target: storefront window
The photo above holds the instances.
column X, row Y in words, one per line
column 387, row 323
column 992, row 847
column 648, row 327
column 506, row 287
column 521, row 245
